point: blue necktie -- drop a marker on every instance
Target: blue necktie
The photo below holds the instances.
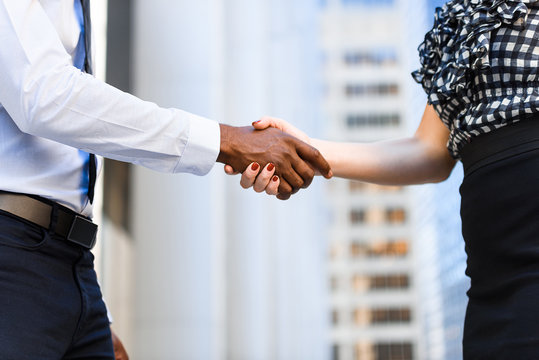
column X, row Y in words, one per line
column 88, row 69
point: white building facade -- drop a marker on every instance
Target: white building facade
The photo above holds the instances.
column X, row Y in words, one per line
column 374, row 291
column 199, row 269
column 205, row 270
column 396, row 262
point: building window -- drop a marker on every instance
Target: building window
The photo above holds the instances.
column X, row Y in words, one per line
column 335, row 317
column 384, row 248
column 378, row 216
column 393, row 351
column 365, row 283
column 373, row 216
column 357, row 216
column 382, row 282
column 383, row 351
column 366, row 317
column 395, row 215
column 391, row 316
column 390, row 282
column 335, row 352
column 372, row 120
column 376, row 57
column 357, row 90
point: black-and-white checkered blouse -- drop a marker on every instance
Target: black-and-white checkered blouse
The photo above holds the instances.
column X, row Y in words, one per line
column 480, row 66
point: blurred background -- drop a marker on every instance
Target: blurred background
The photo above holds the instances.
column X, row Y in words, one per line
column 195, row 268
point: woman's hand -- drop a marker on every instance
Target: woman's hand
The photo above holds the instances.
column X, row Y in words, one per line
column 264, row 180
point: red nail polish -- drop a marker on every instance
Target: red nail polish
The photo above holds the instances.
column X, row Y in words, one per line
column 257, row 121
column 271, row 167
column 275, row 178
column 254, row 167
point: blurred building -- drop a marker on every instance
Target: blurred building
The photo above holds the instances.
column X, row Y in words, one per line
column 374, row 296
column 197, row 268
column 396, row 259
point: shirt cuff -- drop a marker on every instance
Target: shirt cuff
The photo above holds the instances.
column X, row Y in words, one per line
column 202, row 147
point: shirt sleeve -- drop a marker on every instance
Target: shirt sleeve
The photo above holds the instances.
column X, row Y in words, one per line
column 46, row 96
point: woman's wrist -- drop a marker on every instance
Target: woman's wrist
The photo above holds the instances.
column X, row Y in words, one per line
column 325, row 148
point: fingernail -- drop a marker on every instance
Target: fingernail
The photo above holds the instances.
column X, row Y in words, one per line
column 275, row 178
column 271, row 167
column 256, row 122
column 254, row 167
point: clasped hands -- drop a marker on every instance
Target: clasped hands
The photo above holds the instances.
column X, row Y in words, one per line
column 275, row 157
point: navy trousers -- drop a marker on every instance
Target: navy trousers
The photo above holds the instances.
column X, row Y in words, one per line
column 51, row 306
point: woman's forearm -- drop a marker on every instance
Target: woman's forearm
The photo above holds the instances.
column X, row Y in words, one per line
column 395, row 162
column 419, row 159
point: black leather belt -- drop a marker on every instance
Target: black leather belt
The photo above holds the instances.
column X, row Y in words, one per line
column 69, row 225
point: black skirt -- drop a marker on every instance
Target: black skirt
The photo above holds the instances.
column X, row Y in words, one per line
column 500, row 225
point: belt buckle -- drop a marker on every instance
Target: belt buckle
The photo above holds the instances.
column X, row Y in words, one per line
column 82, row 232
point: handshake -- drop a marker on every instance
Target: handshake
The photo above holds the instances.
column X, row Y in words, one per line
column 288, row 161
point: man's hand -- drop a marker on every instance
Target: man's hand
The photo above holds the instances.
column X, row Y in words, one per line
column 119, row 350
column 294, row 160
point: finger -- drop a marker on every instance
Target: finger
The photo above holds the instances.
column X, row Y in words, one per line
column 264, row 178
column 290, row 175
column 293, row 179
column 273, row 186
column 305, row 172
column 283, row 197
column 266, row 122
column 285, row 190
column 315, row 158
column 249, row 175
column 229, row 170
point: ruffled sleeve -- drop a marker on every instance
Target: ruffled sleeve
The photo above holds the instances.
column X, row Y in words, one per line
column 458, row 46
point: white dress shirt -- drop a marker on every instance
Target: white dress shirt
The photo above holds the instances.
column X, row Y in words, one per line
column 49, row 110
